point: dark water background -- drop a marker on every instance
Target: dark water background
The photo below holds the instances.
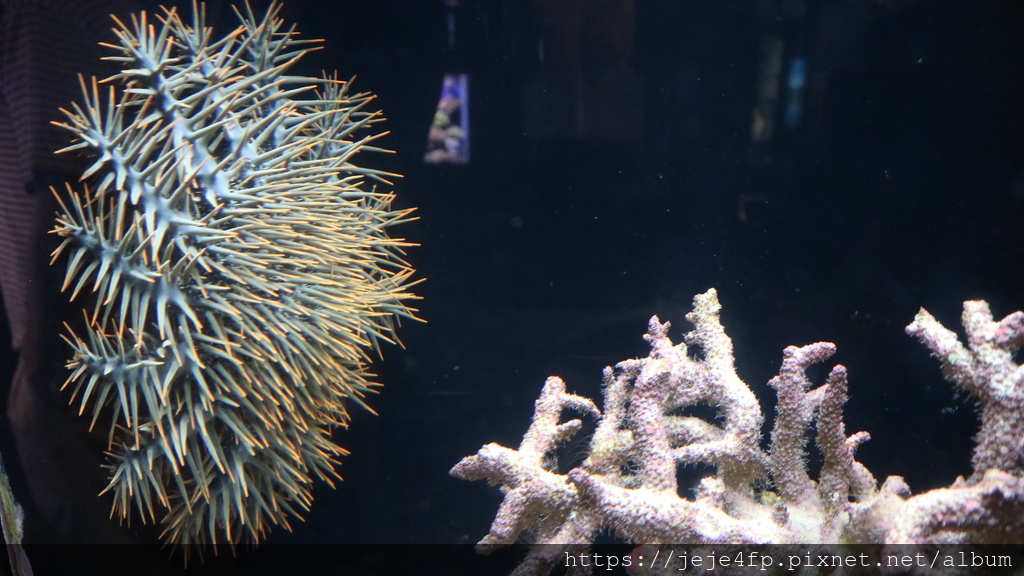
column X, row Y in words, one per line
column 901, row 186
column 618, row 175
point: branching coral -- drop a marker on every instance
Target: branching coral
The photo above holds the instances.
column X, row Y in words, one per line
column 629, row 482
column 241, row 266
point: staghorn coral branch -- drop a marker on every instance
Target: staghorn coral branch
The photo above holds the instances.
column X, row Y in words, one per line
column 629, row 483
column 985, row 369
column 841, row 475
column 737, row 452
column 989, row 511
column 662, row 517
column 532, row 490
column 536, row 498
column 797, row 408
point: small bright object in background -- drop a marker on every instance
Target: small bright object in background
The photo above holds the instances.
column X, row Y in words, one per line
column 795, row 91
column 448, row 139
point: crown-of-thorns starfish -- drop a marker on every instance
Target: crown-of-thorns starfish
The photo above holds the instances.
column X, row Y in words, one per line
column 241, row 268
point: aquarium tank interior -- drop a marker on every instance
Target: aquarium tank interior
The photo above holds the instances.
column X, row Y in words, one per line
column 383, row 287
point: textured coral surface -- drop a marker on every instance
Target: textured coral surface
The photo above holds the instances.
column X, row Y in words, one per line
column 628, row 485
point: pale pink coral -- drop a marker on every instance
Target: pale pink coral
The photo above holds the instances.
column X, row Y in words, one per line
column 629, row 482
